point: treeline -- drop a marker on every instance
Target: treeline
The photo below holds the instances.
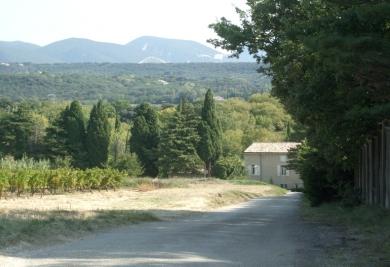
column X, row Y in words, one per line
column 329, row 62
column 145, row 139
column 153, row 83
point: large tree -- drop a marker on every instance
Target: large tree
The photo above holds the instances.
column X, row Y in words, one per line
column 179, row 138
column 328, row 61
column 145, row 138
column 66, row 136
column 210, row 132
column 16, row 131
column 75, row 130
column 98, row 136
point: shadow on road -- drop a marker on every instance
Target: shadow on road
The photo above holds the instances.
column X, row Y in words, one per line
column 264, row 231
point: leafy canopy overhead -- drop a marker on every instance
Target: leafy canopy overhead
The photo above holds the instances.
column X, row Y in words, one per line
column 329, row 63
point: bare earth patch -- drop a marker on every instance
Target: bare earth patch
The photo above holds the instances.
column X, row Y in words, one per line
column 41, row 220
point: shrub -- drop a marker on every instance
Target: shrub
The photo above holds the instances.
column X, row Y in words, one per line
column 229, row 167
column 4, row 185
column 128, row 163
column 321, row 179
column 37, row 182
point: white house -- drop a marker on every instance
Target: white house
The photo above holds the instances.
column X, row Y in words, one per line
column 267, row 162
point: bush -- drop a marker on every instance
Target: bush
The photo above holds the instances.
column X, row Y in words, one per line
column 128, row 163
column 9, row 162
column 322, row 179
column 229, row 167
column 4, row 184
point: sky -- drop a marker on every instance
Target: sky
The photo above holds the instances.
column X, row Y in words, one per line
column 117, row 21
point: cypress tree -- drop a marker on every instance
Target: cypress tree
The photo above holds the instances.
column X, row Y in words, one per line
column 75, row 134
column 98, row 136
column 55, row 139
column 210, row 132
column 145, row 138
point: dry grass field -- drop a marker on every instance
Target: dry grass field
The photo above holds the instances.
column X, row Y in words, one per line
column 36, row 220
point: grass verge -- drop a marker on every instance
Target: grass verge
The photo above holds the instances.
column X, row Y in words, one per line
column 232, row 197
column 148, row 184
column 37, row 227
column 247, row 182
column 367, row 230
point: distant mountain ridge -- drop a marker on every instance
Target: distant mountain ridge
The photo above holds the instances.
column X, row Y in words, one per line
column 146, row 49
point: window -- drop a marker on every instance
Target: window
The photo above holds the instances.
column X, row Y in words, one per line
column 283, row 171
column 253, row 169
column 283, row 158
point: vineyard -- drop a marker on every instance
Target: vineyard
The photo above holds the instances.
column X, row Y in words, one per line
column 28, row 176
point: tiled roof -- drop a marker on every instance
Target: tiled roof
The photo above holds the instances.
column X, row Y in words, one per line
column 270, row 147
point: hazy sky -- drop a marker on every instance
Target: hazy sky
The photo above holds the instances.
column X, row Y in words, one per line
column 118, row 21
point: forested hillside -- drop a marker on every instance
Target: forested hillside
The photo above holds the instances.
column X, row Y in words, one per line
column 155, row 83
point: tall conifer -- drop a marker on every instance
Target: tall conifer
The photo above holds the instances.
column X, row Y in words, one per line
column 210, row 132
column 98, row 136
column 145, row 138
column 66, row 136
column 179, row 138
column 75, row 134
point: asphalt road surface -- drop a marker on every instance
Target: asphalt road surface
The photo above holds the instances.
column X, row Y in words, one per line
column 261, row 232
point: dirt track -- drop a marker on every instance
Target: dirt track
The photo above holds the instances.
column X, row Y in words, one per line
column 261, row 232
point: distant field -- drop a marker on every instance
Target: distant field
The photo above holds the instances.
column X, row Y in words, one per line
column 42, row 220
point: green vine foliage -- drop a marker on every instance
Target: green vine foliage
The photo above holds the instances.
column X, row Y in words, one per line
column 43, row 181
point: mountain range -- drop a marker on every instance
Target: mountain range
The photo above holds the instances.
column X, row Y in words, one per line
column 146, row 49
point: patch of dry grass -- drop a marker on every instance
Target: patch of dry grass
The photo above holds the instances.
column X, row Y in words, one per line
column 367, row 231
column 43, row 227
column 230, row 197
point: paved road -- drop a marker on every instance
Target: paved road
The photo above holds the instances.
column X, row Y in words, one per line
column 261, row 232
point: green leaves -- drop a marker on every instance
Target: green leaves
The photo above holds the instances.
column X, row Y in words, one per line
column 329, row 62
column 179, row 138
column 210, row 132
column 98, row 136
column 33, row 181
column 145, row 138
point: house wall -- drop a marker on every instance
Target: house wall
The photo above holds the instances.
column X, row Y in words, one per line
column 268, row 169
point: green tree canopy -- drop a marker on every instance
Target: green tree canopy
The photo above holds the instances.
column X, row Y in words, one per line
column 210, row 132
column 15, row 132
column 145, row 138
column 98, row 136
column 66, row 136
column 329, row 63
column 178, row 143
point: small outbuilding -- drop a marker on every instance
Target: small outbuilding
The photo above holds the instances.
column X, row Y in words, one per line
column 268, row 162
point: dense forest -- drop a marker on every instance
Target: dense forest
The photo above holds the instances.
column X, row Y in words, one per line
column 154, row 83
column 329, row 62
column 151, row 140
